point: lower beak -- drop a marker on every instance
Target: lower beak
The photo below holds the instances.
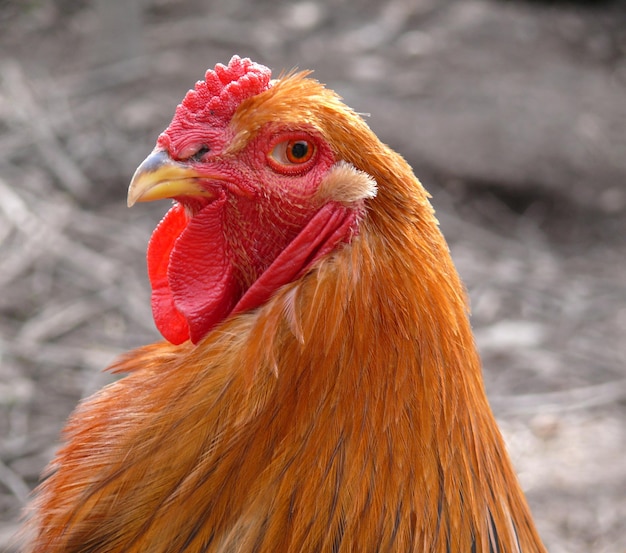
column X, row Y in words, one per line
column 160, row 177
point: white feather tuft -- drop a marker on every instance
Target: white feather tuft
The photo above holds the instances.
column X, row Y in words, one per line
column 346, row 184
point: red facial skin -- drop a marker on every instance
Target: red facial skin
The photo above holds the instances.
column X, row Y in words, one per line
column 210, row 258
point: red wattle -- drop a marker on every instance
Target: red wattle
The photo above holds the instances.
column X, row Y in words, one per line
column 170, row 322
column 201, row 273
column 331, row 225
column 193, row 270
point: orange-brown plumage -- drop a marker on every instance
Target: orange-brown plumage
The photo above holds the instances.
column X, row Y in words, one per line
column 344, row 414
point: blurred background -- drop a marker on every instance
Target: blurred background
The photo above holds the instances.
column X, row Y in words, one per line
column 513, row 115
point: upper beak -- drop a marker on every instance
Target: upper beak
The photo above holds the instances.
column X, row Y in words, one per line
column 159, row 177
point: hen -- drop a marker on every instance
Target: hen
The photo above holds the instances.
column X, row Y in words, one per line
column 319, row 389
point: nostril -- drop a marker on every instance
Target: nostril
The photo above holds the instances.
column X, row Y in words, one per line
column 200, row 153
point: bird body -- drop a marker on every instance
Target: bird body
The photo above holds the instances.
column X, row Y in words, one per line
column 320, row 389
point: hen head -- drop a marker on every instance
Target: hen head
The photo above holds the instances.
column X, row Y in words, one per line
column 263, row 187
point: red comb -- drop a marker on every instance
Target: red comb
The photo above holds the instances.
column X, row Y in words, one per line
column 213, row 101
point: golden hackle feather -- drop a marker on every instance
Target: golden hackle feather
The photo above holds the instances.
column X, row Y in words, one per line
column 345, row 415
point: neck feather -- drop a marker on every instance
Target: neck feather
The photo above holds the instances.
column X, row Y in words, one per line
column 346, row 414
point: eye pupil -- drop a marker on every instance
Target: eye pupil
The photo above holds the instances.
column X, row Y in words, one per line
column 299, row 149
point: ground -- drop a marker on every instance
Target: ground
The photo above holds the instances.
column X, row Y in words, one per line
column 512, row 114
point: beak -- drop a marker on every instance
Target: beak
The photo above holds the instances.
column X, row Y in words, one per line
column 159, row 177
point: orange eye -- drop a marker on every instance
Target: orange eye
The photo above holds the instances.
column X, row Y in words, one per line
column 292, row 153
column 299, row 151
